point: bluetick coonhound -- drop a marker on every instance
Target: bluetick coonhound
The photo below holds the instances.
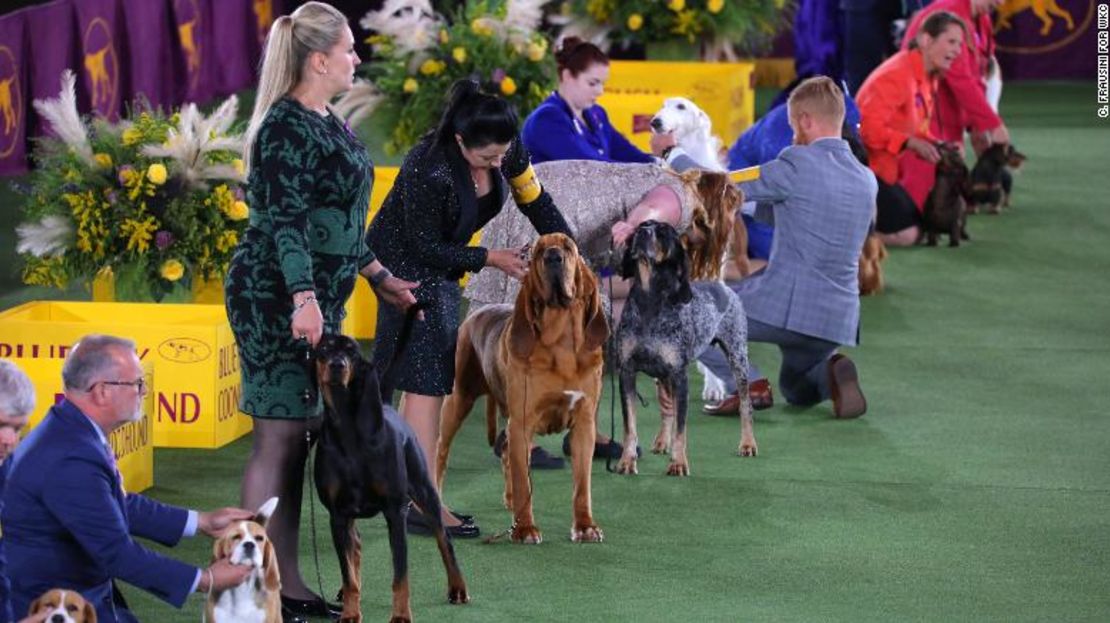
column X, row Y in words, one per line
column 667, row 321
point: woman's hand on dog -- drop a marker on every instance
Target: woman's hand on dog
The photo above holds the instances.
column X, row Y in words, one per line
column 213, row 523
column 926, row 149
column 222, row 575
column 622, row 231
column 660, row 142
column 509, row 261
column 398, row 293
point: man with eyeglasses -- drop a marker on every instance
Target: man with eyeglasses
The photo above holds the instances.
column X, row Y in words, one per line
column 68, row 522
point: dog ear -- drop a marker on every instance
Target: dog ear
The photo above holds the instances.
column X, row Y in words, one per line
column 89, row 612
column 262, row 516
column 627, row 266
column 522, row 326
column 271, row 574
column 221, row 547
column 596, row 326
column 37, row 604
column 679, row 266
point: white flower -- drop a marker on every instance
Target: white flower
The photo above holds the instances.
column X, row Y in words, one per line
column 50, row 236
column 65, row 120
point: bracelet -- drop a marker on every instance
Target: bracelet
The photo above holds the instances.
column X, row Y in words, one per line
column 311, row 298
column 378, row 278
column 211, row 581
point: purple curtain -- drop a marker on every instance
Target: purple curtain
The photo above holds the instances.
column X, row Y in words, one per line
column 103, row 48
column 13, row 94
column 155, row 64
column 1058, row 45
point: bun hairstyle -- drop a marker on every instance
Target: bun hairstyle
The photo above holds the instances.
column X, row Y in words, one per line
column 577, row 56
column 314, row 27
column 479, row 118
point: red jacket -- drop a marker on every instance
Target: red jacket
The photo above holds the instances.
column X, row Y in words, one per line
column 962, row 96
column 895, row 103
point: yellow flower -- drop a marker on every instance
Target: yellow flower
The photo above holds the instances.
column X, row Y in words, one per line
column 103, row 160
column 676, row 5
column 443, row 36
column 238, row 211
column 156, row 173
column 432, row 67
column 715, row 6
column 139, row 233
column 481, row 27
column 172, row 270
column 686, row 23
column 508, row 85
column 635, row 21
column 227, row 241
column 600, row 10
column 459, row 54
column 238, row 165
column 535, row 52
column 410, row 85
column 131, row 135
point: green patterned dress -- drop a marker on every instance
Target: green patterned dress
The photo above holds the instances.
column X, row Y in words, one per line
column 308, row 192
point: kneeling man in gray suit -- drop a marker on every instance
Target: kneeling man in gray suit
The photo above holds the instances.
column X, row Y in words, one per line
column 821, row 201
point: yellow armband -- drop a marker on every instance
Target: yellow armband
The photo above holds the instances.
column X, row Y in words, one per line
column 746, row 174
column 525, row 187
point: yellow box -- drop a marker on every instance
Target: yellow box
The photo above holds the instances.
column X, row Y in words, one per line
column 196, row 390
column 132, row 443
column 636, row 90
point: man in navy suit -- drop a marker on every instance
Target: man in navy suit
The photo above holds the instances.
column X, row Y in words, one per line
column 67, row 521
column 17, row 400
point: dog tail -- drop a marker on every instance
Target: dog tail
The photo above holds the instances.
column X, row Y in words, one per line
column 386, row 375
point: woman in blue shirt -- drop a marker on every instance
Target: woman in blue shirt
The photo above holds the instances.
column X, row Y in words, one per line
column 569, row 125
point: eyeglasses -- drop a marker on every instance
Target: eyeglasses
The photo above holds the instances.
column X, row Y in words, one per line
column 138, row 384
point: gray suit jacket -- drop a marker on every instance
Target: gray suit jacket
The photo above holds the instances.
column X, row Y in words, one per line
column 822, row 200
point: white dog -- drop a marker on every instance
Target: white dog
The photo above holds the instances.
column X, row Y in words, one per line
column 692, row 131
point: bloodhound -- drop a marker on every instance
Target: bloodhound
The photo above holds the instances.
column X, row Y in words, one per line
column 540, row 362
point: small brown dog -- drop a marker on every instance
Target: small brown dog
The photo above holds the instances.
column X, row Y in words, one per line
column 871, row 265
column 63, row 606
column 991, row 181
column 540, row 362
column 946, row 205
column 258, row 599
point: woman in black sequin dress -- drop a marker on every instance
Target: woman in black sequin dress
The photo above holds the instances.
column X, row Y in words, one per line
column 450, row 185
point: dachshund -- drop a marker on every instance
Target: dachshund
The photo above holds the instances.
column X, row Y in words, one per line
column 946, row 205
column 258, row 599
column 990, row 181
column 63, row 606
column 667, row 322
column 871, row 265
column 540, row 362
column 368, row 462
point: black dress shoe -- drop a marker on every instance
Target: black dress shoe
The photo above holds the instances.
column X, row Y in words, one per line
column 603, row 449
column 315, row 607
column 417, row 524
column 538, row 458
column 287, row 616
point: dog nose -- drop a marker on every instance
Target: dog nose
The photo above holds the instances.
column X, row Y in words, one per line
column 248, row 547
column 58, row 618
column 552, row 256
column 656, row 124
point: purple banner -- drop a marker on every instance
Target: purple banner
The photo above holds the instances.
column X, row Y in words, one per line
column 1046, row 39
column 13, row 94
column 54, row 44
column 194, row 35
column 153, row 65
column 102, row 53
column 235, row 44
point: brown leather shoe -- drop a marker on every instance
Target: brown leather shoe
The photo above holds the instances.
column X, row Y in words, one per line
column 847, row 397
column 759, row 392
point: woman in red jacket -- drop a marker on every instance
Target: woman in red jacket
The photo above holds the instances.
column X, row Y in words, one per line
column 897, row 105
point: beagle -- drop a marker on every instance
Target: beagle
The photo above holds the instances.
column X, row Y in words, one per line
column 258, row 599
column 61, row 606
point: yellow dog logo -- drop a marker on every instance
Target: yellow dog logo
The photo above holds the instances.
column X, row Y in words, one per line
column 264, row 13
column 1043, row 9
column 6, row 109
column 101, row 66
column 189, row 44
column 98, row 75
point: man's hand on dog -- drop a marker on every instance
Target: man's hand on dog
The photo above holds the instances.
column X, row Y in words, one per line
column 213, row 523
column 222, row 575
column 509, row 261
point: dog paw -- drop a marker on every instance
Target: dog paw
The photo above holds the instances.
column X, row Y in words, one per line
column 662, row 445
column 748, row 448
column 678, row 468
column 457, row 595
column 397, row 618
column 587, row 534
column 527, row 535
column 357, row 618
column 627, row 465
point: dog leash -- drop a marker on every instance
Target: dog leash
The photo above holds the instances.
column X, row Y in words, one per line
column 310, row 456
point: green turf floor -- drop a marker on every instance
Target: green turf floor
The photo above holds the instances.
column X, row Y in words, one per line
column 976, row 488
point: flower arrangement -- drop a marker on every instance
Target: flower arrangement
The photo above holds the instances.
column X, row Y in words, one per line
column 154, row 201
column 718, row 29
column 420, row 55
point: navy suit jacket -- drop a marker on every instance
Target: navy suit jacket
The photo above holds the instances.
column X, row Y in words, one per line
column 5, row 586
column 68, row 523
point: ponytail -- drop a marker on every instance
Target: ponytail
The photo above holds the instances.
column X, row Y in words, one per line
column 479, row 118
column 315, row 27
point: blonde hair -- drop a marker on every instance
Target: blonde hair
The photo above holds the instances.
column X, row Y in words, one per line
column 315, row 27
column 820, row 97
